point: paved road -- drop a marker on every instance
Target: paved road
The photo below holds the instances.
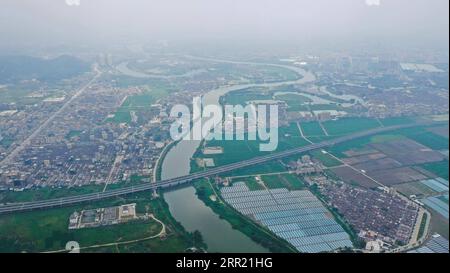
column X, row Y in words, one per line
column 17, row 207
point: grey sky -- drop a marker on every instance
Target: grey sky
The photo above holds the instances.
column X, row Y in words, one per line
column 54, row 21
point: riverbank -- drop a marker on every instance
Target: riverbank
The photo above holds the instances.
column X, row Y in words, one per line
column 159, row 162
column 184, row 203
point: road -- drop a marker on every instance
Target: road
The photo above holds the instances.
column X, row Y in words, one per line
column 17, row 207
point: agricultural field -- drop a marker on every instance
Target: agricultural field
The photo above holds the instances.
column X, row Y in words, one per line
column 397, row 121
column 268, row 168
column 241, row 97
column 234, row 151
column 439, row 225
column 295, row 102
column 361, row 143
column 251, row 183
column 438, row 168
column 431, row 140
column 414, row 188
column 138, row 104
column 312, row 129
column 290, row 181
column 293, row 99
column 350, row 125
column 326, row 159
column 273, row 181
column 292, row 130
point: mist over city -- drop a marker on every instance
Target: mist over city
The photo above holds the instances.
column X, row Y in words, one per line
column 322, row 23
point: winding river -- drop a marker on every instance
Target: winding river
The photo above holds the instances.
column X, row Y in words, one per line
column 184, row 205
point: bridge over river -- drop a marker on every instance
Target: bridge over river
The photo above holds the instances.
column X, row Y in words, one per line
column 168, row 183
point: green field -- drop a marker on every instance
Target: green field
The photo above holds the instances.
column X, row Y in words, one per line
column 326, row 159
column 238, row 150
column 292, row 130
column 251, row 183
column 234, row 151
column 438, row 168
column 46, row 193
column 270, row 167
column 431, row 140
column 289, row 181
column 312, row 129
column 138, row 103
column 6, row 142
column 295, row 102
column 121, row 116
column 350, row 125
column 321, row 138
column 290, row 137
column 293, row 182
column 333, row 106
column 356, row 144
column 293, row 99
column 47, row 230
column 73, row 133
column 419, row 134
column 396, row 121
column 241, row 97
column 273, row 181
column 386, row 138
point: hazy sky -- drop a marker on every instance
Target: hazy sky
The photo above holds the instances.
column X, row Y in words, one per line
column 54, row 22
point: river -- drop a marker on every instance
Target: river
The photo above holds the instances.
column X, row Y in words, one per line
column 183, row 203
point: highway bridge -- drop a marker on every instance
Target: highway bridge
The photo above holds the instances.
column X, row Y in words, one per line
column 65, row 201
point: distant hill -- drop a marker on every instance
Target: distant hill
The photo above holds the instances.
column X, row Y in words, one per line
column 17, row 68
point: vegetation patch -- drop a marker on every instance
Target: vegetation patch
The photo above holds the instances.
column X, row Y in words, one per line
column 312, row 129
column 350, row 125
column 438, row 168
column 47, row 230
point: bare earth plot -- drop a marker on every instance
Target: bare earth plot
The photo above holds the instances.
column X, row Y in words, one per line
column 363, row 158
column 353, row 177
column 380, row 164
column 396, row 176
column 408, row 152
